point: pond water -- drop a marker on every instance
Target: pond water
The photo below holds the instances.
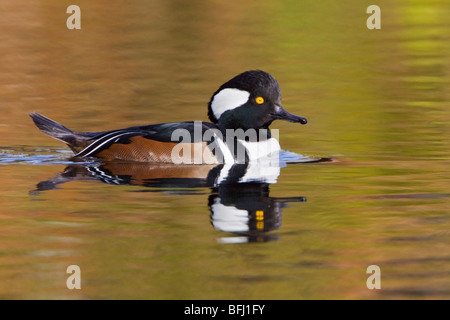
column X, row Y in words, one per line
column 377, row 104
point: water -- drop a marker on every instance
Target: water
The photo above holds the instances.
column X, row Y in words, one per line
column 377, row 102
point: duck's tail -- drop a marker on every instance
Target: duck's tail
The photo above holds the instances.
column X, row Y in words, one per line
column 57, row 131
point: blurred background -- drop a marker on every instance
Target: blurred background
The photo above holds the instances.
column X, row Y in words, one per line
column 376, row 100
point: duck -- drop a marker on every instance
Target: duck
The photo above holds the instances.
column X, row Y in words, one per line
column 240, row 110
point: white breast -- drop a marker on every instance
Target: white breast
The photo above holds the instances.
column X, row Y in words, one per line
column 260, row 149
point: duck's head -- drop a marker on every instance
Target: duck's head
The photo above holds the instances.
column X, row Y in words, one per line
column 251, row 100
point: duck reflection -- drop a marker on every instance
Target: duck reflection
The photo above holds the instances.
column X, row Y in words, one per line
column 239, row 199
column 247, row 210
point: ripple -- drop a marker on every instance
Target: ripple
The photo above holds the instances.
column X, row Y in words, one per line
column 33, row 155
column 54, row 155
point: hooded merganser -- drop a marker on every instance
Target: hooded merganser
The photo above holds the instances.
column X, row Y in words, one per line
column 250, row 101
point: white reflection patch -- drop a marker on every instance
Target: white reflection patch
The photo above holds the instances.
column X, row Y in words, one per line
column 228, row 99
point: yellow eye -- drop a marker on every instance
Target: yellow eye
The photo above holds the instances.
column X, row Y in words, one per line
column 259, row 100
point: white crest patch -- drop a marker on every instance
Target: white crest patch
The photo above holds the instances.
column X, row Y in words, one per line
column 228, row 99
